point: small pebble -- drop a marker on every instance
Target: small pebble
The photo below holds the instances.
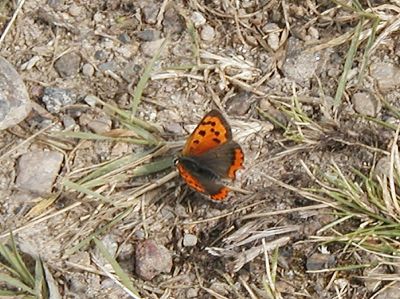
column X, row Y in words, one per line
column 124, row 38
column 192, row 293
column 148, row 35
column 189, row 240
column 387, row 75
column 56, row 98
column 74, row 10
column 88, row 70
column 273, row 41
column 68, row 65
column 239, row 104
column 56, row 4
column 37, row 171
column 198, row 19
column 207, row 33
column 365, row 103
column 91, row 100
column 100, row 55
column 150, row 48
column 150, row 12
column 68, row 122
column 172, row 22
column 100, row 125
column 319, row 261
column 152, row 259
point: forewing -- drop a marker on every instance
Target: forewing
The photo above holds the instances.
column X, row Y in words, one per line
column 212, row 131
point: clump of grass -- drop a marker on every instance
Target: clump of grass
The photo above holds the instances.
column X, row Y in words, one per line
column 19, row 279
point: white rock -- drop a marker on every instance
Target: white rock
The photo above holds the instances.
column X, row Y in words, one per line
column 207, row 33
column 37, row 171
column 198, row 19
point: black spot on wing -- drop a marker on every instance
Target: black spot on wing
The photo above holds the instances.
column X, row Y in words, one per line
column 216, row 140
column 202, row 133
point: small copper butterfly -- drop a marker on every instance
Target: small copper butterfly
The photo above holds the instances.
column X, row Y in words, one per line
column 209, row 156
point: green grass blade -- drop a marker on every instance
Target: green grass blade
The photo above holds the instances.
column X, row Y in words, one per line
column 39, row 280
column 16, row 283
column 84, row 190
column 19, row 265
column 153, row 167
column 144, row 78
column 347, row 65
column 117, row 268
column 127, row 116
column 114, row 165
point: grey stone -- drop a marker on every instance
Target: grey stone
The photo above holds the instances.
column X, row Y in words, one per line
column 150, row 12
column 68, row 121
column 56, row 98
column 239, row 104
column 108, row 66
column 387, row 75
column 148, row 35
column 68, row 65
column 365, row 103
column 124, row 38
column 172, row 22
column 391, row 292
column 56, row 4
column 100, row 55
column 37, row 171
column 318, row 261
column 152, row 259
column 100, row 125
column 15, row 104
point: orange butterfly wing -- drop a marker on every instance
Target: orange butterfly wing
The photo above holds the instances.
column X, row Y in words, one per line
column 212, row 131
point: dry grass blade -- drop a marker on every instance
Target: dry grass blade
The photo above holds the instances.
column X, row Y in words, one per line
column 145, row 77
column 124, row 278
column 8, row 27
column 100, row 231
column 93, row 136
column 271, row 271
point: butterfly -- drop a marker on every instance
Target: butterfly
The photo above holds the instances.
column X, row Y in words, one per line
column 210, row 156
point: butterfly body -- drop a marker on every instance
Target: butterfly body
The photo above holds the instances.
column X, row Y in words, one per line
column 210, row 156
